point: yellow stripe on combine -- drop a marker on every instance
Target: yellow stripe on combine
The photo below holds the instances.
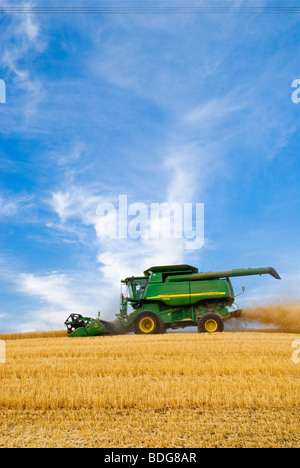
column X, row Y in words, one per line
column 169, row 296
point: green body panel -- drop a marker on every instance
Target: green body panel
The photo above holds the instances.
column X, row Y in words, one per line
column 188, row 292
column 213, row 289
column 178, row 294
column 174, row 294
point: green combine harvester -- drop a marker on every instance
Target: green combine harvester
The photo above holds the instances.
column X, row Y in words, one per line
column 170, row 297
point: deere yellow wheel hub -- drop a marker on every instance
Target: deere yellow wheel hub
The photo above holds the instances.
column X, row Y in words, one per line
column 147, row 325
column 211, row 325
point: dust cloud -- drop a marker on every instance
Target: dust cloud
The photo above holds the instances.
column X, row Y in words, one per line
column 285, row 316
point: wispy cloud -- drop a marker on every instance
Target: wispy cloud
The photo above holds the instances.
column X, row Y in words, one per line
column 77, row 206
column 211, row 112
column 23, row 39
column 15, row 205
column 57, row 296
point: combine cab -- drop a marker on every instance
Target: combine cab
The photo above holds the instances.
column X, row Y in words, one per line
column 171, row 297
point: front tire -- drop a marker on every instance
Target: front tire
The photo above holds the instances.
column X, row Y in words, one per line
column 147, row 323
column 210, row 323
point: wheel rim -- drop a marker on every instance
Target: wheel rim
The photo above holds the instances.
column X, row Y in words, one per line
column 211, row 325
column 147, row 325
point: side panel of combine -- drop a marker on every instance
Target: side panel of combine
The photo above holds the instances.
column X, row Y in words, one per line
column 203, row 290
column 171, row 294
column 185, row 293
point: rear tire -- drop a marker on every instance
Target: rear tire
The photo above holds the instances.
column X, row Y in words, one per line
column 147, row 323
column 210, row 323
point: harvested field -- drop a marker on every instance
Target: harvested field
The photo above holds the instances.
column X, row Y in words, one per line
column 173, row 390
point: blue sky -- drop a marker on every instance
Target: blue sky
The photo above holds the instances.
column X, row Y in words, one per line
column 163, row 108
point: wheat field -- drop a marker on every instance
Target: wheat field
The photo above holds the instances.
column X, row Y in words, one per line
column 175, row 390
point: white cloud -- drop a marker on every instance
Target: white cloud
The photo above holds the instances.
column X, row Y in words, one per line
column 189, row 169
column 211, row 112
column 26, row 23
column 52, row 288
column 57, row 296
column 22, row 37
column 30, row 27
column 13, row 205
column 182, row 181
column 77, row 202
column 119, row 258
column 116, row 256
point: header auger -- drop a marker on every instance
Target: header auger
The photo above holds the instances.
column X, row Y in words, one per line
column 170, row 297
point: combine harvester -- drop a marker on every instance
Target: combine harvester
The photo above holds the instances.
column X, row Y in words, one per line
column 175, row 296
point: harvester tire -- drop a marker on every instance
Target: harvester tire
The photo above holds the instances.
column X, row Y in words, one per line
column 210, row 323
column 147, row 323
